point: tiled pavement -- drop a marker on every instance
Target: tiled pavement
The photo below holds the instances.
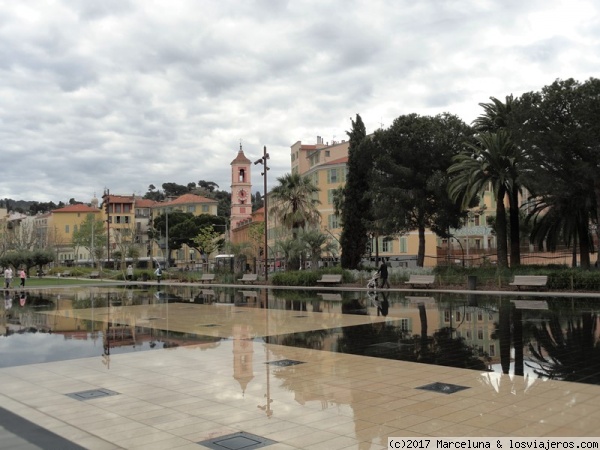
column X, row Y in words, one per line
column 178, row 397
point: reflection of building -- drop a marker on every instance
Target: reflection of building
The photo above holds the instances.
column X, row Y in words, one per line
column 243, row 352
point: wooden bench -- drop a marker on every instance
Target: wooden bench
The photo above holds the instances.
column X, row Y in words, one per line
column 421, row 280
column 330, row 297
column 530, row 281
column 94, row 274
column 207, row 277
column 330, row 279
column 421, row 300
column 248, row 278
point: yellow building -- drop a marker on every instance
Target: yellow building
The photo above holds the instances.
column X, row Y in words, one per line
column 60, row 226
column 326, row 165
column 188, row 203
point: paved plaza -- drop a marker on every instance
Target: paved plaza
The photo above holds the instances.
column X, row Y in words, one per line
column 240, row 392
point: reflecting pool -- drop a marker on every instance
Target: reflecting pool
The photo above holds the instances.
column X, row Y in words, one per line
column 550, row 337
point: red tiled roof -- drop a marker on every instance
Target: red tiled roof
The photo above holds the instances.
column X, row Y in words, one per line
column 79, row 208
column 187, row 198
column 240, row 159
column 337, row 161
column 120, row 198
column 145, row 203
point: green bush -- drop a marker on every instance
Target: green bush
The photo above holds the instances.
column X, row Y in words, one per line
column 308, row 277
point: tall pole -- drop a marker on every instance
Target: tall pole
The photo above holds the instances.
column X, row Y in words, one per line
column 107, row 201
column 167, row 240
column 263, row 161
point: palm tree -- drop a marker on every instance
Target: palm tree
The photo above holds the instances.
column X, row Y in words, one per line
column 489, row 162
column 497, row 116
column 294, row 203
column 316, row 243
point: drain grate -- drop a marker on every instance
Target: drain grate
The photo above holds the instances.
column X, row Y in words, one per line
column 93, row 393
column 443, row 388
column 237, row 441
column 284, row 362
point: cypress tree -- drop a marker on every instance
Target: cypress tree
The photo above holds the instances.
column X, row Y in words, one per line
column 356, row 209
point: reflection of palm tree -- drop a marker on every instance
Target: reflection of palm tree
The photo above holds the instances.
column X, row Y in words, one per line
column 504, row 331
column 517, row 333
column 570, row 355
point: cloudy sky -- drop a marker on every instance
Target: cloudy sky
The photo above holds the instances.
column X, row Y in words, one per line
column 121, row 94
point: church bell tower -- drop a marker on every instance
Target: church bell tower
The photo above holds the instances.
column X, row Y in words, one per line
column 241, row 188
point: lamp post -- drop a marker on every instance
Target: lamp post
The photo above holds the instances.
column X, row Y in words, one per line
column 106, row 198
column 263, row 161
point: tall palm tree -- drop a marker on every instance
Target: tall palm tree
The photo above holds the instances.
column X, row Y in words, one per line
column 489, row 162
column 294, row 202
column 498, row 116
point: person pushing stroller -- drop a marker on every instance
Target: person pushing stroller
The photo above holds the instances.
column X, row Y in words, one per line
column 383, row 274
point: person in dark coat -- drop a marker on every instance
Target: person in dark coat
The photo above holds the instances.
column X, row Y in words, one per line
column 383, row 275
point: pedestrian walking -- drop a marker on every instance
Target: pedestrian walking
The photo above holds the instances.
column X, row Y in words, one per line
column 158, row 273
column 383, row 274
column 22, row 276
column 8, row 275
column 130, row 272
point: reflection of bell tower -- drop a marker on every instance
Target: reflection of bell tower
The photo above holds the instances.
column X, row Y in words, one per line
column 241, row 187
column 243, row 351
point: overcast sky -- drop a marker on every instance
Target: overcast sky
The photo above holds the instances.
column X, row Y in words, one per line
column 121, row 94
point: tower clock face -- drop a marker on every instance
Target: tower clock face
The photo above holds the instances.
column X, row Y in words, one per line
column 242, row 194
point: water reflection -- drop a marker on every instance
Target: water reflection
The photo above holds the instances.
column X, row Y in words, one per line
column 551, row 338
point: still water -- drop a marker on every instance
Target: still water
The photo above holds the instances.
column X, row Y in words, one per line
column 549, row 337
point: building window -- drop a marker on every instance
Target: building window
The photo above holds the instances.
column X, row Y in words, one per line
column 117, row 208
column 242, row 175
column 332, row 176
column 127, row 209
column 74, row 228
column 191, row 209
column 480, row 316
column 468, row 334
column 204, row 208
column 333, row 221
column 327, row 153
column 330, row 196
column 458, row 316
column 126, row 219
column 468, row 317
column 387, row 245
column 66, row 228
column 403, row 245
column 480, row 334
column 492, row 350
column 447, row 316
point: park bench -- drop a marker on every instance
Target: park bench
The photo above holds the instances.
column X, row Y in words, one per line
column 330, row 279
column 330, row 297
column 66, row 273
column 421, row 300
column 207, row 277
column 421, row 280
column 94, row 274
column 530, row 281
column 248, row 278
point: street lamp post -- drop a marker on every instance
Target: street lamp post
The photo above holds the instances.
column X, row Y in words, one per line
column 263, row 161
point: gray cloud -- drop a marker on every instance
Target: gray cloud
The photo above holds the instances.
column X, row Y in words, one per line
column 123, row 94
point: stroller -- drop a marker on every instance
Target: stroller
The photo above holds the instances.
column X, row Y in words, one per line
column 372, row 283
